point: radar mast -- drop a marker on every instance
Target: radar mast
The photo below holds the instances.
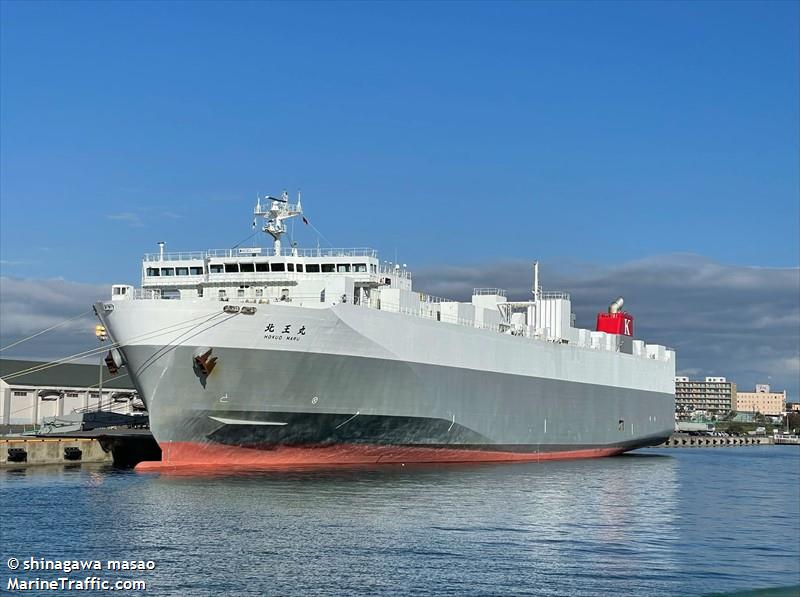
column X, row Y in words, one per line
column 275, row 211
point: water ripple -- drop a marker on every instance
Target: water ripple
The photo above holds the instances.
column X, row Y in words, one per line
column 666, row 522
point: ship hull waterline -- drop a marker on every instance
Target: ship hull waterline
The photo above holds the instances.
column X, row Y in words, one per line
column 186, row 455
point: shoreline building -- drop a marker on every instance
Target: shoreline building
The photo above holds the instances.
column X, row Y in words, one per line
column 28, row 398
column 713, row 397
column 762, row 400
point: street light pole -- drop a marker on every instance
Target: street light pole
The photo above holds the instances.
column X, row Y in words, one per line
column 101, row 334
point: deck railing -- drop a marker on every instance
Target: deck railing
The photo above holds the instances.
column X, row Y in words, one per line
column 260, row 252
column 553, row 294
column 488, row 291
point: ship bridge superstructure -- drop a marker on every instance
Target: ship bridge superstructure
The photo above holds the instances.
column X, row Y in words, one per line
column 317, row 277
column 307, row 277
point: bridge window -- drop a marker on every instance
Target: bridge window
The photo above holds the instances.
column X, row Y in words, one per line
column 262, row 267
column 215, row 268
column 167, row 271
column 328, row 268
column 299, row 267
column 247, row 267
column 153, row 271
column 278, row 267
column 231, row 268
column 312, row 268
column 360, row 267
column 196, row 271
column 290, row 267
column 343, row 267
column 181, row 271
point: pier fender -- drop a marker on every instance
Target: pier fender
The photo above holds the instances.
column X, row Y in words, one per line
column 17, row 455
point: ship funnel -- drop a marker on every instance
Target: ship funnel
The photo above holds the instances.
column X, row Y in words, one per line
column 616, row 305
column 161, row 245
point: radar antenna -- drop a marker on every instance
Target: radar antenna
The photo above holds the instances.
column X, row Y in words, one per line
column 275, row 211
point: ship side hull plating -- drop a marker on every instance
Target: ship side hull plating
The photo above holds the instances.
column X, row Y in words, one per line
column 355, row 385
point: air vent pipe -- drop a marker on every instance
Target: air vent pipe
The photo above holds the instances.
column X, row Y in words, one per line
column 616, row 306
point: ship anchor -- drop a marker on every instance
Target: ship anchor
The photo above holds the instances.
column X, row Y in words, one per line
column 203, row 364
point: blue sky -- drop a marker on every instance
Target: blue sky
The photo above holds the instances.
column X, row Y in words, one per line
column 646, row 149
column 454, row 133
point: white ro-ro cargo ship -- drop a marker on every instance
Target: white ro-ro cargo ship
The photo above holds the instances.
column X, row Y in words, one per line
column 257, row 357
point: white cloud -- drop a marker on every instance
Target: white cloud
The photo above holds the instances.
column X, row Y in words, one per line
column 128, row 217
column 28, row 306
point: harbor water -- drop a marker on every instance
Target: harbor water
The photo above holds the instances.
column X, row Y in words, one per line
column 656, row 522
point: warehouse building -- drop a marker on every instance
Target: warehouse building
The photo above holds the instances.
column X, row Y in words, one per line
column 30, row 393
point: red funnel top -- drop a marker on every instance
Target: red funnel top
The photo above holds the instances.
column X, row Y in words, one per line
column 615, row 323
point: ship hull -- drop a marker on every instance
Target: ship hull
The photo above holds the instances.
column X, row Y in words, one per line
column 359, row 386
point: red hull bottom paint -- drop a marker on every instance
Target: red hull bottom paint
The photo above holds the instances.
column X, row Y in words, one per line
column 188, row 454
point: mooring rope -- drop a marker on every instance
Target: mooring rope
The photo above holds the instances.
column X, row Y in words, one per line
column 52, row 327
column 101, row 349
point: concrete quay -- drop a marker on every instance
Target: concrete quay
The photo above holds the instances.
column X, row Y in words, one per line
column 684, row 440
column 124, row 447
column 17, row 452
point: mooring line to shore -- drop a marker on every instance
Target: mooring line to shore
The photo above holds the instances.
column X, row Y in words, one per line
column 39, row 333
column 102, row 349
